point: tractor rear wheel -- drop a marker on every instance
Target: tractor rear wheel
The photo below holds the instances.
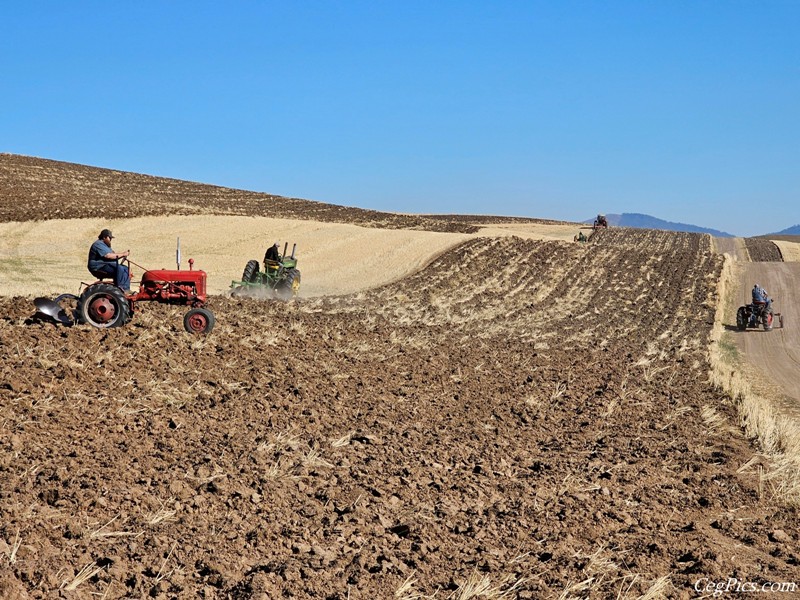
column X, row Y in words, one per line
column 103, row 305
column 766, row 319
column 199, row 320
column 250, row 273
column 289, row 286
column 741, row 318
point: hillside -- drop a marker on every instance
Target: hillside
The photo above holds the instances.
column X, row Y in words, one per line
column 533, row 417
column 40, row 189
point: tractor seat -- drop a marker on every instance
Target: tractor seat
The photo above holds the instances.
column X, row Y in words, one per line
column 101, row 276
column 272, row 265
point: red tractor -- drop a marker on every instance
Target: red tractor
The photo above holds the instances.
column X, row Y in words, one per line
column 102, row 304
column 599, row 222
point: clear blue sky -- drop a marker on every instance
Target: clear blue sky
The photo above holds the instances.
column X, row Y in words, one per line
column 684, row 110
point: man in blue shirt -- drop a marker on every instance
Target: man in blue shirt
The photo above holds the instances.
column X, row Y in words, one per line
column 760, row 295
column 762, row 303
column 103, row 261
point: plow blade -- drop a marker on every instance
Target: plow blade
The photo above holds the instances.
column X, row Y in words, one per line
column 52, row 310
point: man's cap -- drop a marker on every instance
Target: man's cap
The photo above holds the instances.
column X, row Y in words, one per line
column 105, row 233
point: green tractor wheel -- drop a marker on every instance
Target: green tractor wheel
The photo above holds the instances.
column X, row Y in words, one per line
column 250, row 273
column 289, row 286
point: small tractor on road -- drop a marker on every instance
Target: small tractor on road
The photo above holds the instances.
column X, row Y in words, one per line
column 755, row 314
column 103, row 304
column 279, row 279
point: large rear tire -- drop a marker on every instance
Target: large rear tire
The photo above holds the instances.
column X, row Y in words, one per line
column 250, row 273
column 741, row 318
column 103, row 305
column 289, row 286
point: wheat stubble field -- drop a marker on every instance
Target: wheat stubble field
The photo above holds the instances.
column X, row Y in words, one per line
column 484, row 415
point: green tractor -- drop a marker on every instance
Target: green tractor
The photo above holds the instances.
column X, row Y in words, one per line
column 279, row 279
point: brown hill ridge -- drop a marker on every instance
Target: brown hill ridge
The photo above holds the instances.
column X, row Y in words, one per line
column 33, row 189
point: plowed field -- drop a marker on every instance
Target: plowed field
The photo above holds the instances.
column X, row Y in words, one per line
column 533, row 417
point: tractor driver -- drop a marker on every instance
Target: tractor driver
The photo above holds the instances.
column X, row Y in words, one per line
column 760, row 296
column 272, row 254
column 103, row 261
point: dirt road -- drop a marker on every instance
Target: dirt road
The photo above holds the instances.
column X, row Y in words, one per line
column 776, row 353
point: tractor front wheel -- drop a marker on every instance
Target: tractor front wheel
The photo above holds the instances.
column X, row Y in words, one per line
column 289, row 286
column 103, row 305
column 250, row 273
column 199, row 320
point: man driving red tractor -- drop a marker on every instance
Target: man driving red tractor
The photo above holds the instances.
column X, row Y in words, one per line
column 103, row 261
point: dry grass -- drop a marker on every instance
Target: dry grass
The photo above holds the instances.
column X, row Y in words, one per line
column 789, row 250
column 11, row 550
column 221, row 246
column 262, row 339
column 162, row 515
column 480, row 586
column 313, row 459
column 283, row 440
column 660, row 588
column 102, row 532
column 531, row 231
column 406, row 589
column 85, row 574
column 476, row 585
column 342, row 441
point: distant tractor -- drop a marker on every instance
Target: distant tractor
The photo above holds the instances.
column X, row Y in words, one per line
column 279, row 279
column 600, row 221
column 102, row 304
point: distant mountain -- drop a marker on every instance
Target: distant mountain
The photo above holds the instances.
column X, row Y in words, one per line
column 793, row 230
column 647, row 222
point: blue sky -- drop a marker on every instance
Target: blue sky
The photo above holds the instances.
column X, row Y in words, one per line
column 684, row 110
